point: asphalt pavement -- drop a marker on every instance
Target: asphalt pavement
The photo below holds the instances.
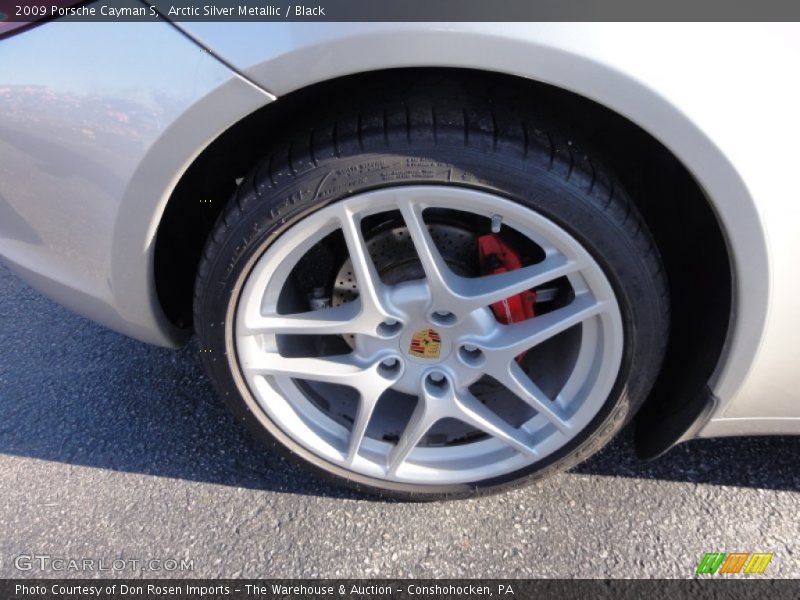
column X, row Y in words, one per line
column 111, row 449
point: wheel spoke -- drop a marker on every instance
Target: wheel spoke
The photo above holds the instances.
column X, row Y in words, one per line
column 370, row 288
column 366, row 406
column 330, row 321
column 422, row 419
column 341, row 370
column 473, row 293
column 462, row 295
column 473, row 412
column 438, row 274
column 512, row 340
column 518, row 382
column 462, row 406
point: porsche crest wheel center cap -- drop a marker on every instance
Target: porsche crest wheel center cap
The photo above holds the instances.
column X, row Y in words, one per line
column 426, row 343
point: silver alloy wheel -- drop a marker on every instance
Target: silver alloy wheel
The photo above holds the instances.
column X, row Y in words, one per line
column 386, row 319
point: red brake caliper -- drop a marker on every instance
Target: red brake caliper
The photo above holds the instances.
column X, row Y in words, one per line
column 498, row 257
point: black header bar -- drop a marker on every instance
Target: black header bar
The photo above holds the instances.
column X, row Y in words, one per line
column 403, row 10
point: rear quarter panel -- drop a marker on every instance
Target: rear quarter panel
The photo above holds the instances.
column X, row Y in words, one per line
column 99, row 120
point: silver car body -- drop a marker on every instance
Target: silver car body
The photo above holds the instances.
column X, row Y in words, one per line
column 95, row 137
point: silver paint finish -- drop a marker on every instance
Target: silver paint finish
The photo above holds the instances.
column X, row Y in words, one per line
column 99, row 120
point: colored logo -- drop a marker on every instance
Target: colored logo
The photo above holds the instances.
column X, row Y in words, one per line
column 426, row 343
column 733, row 562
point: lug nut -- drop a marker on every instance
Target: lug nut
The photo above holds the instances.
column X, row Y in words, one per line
column 471, row 355
column 389, row 327
column 443, row 317
column 436, row 384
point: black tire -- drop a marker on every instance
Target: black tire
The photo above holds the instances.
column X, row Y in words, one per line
column 446, row 137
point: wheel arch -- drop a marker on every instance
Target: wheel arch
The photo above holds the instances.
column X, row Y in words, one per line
column 711, row 188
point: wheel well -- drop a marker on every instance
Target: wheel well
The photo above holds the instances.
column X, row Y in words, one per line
column 674, row 206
